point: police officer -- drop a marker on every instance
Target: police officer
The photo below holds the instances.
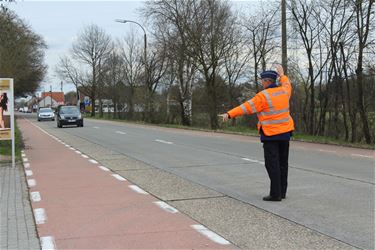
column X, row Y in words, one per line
column 275, row 127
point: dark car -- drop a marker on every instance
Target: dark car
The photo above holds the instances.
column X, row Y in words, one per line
column 68, row 115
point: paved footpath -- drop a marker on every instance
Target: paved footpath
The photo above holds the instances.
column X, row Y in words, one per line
column 79, row 204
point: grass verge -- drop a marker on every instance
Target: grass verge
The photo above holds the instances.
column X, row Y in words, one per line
column 6, row 146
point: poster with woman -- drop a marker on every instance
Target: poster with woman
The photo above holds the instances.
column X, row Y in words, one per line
column 5, row 109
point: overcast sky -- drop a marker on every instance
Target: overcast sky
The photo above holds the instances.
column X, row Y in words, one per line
column 59, row 22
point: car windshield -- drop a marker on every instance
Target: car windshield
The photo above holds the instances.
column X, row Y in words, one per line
column 69, row 110
column 45, row 111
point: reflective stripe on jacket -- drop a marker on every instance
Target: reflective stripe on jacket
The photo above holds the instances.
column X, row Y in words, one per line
column 272, row 108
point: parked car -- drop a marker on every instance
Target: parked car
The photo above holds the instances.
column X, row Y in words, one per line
column 68, row 115
column 45, row 114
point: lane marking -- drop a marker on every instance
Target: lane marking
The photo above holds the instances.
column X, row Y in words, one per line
column 93, row 161
column 104, row 168
column 35, row 196
column 119, row 177
column 78, row 152
column 365, row 156
column 84, row 156
column 47, row 243
column 26, row 165
column 23, row 155
column 71, row 148
column 255, row 161
column 166, row 207
column 96, row 127
column 120, row 132
column 40, row 215
column 29, row 173
column 327, row 151
column 211, row 235
column 25, row 159
column 137, row 189
column 162, row 141
column 31, row 182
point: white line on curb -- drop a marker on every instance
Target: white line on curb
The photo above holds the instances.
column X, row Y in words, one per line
column 137, row 189
column 47, row 243
column 119, row 177
column 31, row 182
column 166, row 207
column 365, row 156
column 162, row 141
column 40, row 215
column 93, row 161
column 211, row 235
column 29, row 172
column 35, row 196
column 103, row 168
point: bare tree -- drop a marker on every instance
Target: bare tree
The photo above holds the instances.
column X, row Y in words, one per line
column 92, row 47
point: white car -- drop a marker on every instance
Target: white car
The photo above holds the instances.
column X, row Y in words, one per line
column 46, row 114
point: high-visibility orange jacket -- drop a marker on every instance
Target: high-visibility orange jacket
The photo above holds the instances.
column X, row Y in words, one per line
column 272, row 108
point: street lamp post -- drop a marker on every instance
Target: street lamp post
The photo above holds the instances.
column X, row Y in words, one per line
column 145, row 37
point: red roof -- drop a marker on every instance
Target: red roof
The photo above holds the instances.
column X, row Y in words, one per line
column 57, row 96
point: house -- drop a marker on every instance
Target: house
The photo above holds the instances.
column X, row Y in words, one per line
column 51, row 99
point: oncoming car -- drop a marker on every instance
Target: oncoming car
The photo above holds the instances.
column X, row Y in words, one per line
column 68, row 115
column 45, row 114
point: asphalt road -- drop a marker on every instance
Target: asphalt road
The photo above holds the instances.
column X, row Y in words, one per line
column 331, row 188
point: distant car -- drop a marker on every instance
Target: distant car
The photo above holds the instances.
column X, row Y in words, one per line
column 68, row 115
column 45, row 114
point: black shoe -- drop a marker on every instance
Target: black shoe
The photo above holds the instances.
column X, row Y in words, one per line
column 271, row 198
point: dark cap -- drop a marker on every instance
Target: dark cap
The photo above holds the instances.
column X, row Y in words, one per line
column 270, row 74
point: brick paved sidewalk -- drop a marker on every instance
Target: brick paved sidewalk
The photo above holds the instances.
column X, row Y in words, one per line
column 17, row 224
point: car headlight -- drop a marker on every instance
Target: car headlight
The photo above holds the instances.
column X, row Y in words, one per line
column 79, row 116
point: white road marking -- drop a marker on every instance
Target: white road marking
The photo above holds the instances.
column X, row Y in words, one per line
column 104, row 168
column 84, row 156
column 162, row 141
column 25, row 159
column 327, row 151
column 93, row 161
column 35, row 196
column 40, row 215
column 26, row 165
column 31, row 182
column 47, row 243
column 137, row 189
column 66, row 145
column 365, row 156
column 211, row 235
column 71, row 148
column 29, row 173
column 96, row 127
column 78, row 152
column 255, row 161
column 166, row 207
column 119, row 177
column 23, row 155
column 120, row 132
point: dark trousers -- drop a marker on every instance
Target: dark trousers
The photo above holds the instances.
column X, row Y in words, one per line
column 276, row 155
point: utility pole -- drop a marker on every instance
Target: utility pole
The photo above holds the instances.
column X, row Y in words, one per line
column 50, row 95
column 284, row 50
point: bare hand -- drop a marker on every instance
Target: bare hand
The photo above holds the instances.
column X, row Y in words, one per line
column 279, row 69
column 225, row 117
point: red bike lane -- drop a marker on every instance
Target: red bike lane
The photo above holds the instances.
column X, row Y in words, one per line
column 79, row 205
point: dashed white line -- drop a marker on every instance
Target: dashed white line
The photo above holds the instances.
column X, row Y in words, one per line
column 166, row 207
column 211, row 235
column 251, row 160
column 162, row 141
column 120, row 132
column 26, row 165
column 84, row 156
column 137, row 189
column 327, row 151
column 93, row 161
column 104, row 168
column 29, row 173
column 25, row 159
column 35, row 196
column 96, row 127
column 31, row 182
column 47, row 243
column 119, row 177
column 78, row 152
column 40, row 215
column 365, row 156
column 23, row 155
